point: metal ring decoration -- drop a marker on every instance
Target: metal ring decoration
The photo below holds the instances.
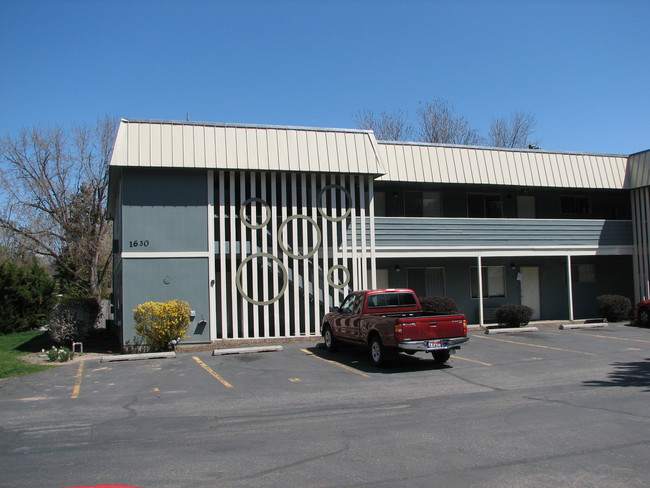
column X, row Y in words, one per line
column 240, row 287
column 345, row 192
column 318, row 240
column 242, row 214
column 330, row 275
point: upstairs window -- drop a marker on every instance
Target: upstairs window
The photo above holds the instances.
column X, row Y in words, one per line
column 422, row 204
column 484, row 205
column 572, row 205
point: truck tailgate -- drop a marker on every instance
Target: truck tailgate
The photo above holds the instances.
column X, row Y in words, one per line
column 420, row 328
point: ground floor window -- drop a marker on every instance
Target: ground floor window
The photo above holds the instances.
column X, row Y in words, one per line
column 427, row 282
column 494, row 281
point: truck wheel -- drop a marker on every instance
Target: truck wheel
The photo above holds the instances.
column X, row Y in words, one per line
column 330, row 342
column 377, row 351
column 441, row 356
column 644, row 317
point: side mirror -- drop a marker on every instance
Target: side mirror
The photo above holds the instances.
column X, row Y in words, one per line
column 336, row 309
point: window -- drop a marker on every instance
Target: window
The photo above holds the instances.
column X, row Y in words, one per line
column 427, row 282
column 494, row 281
column 422, row 204
column 484, row 205
column 572, row 205
column 582, row 273
column 391, row 300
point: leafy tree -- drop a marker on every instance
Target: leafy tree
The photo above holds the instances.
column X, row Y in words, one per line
column 55, row 185
column 26, row 296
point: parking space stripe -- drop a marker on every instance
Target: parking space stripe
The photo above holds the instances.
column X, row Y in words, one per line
column 77, row 384
column 620, row 338
column 355, row 371
column 472, row 360
column 534, row 345
column 212, row 372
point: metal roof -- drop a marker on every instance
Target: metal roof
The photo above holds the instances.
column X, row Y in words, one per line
column 433, row 163
column 177, row 144
column 639, row 170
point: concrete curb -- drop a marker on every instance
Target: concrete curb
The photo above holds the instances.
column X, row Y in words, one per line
column 245, row 350
column 598, row 325
column 136, row 357
column 508, row 331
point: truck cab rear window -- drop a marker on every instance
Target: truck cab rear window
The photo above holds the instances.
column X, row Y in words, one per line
column 391, row 300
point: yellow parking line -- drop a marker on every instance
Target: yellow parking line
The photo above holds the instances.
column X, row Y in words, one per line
column 355, row 371
column 212, row 372
column 472, row 361
column 534, row 345
column 619, row 338
column 77, row 384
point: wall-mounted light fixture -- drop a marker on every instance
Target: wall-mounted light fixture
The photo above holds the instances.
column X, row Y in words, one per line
column 397, row 268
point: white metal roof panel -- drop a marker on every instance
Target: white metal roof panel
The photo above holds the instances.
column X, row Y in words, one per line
column 155, row 143
column 498, row 166
column 639, row 172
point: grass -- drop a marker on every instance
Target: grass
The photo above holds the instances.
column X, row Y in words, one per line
column 10, row 352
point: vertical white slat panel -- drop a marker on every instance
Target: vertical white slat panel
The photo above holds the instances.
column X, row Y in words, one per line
column 231, row 148
column 323, row 157
column 234, row 297
column 212, row 298
column 254, row 263
column 251, row 149
column 333, row 152
column 265, row 269
column 353, row 232
column 363, row 234
column 177, row 146
column 336, row 255
column 480, row 290
column 454, row 171
column 316, row 283
column 406, row 161
column 312, row 150
column 225, row 283
column 305, row 324
column 295, row 267
column 373, row 256
column 569, row 279
column 285, row 259
column 291, row 162
column 327, row 245
column 474, row 169
column 428, row 171
column 220, row 147
column 275, row 270
column 345, row 255
column 341, row 148
column 243, row 251
column 132, row 144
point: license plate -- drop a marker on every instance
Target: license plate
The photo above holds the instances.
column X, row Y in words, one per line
column 437, row 344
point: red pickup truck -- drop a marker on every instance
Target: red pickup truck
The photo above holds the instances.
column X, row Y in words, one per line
column 392, row 320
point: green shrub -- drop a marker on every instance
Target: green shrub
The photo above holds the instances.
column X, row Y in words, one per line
column 439, row 304
column 614, row 307
column 513, row 315
column 26, row 296
column 160, row 323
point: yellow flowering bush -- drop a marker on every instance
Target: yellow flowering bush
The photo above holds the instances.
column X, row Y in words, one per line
column 160, row 323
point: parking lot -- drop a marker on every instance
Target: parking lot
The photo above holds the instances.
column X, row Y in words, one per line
column 547, row 408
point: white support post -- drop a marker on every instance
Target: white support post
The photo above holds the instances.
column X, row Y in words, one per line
column 480, row 291
column 569, row 278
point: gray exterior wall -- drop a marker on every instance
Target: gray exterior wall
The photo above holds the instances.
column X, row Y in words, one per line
column 162, row 225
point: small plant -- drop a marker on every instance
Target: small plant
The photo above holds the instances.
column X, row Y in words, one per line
column 439, row 304
column 61, row 354
column 160, row 323
column 513, row 315
column 614, row 307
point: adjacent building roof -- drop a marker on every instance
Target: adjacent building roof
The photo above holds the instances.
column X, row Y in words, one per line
column 433, row 163
column 174, row 144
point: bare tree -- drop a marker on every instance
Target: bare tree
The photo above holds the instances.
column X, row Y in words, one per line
column 387, row 126
column 55, row 185
column 514, row 130
column 439, row 124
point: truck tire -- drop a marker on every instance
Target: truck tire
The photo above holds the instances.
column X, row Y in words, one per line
column 378, row 352
column 441, row 356
column 644, row 317
column 331, row 344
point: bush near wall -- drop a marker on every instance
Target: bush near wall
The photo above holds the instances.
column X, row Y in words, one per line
column 26, row 296
column 439, row 304
column 73, row 319
column 160, row 323
column 614, row 307
column 513, row 315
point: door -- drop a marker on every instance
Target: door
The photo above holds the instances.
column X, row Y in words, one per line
column 526, row 207
column 529, row 276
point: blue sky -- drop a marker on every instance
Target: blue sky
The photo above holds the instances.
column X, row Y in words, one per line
column 581, row 67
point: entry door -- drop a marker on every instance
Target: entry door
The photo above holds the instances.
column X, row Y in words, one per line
column 530, row 289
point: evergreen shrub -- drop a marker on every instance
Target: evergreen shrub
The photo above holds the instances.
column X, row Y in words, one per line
column 26, row 296
column 513, row 315
column 439, row 304
column 614, row 307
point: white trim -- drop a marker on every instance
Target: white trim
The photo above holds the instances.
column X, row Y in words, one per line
column 381, row 253
column 165, row 254
column 212, row 299
column 570, row 287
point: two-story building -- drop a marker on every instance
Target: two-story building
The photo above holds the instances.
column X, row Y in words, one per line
column 263, row 229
